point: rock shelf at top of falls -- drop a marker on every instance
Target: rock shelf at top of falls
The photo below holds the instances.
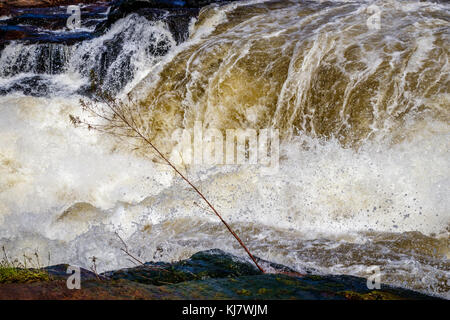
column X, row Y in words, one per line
column 45, row 21
column 212, row 274
column 11, row 5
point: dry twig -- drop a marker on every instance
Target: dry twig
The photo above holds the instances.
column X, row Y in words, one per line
column 120, row 119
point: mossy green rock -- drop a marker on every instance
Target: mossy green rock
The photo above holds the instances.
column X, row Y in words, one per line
column 19, row 275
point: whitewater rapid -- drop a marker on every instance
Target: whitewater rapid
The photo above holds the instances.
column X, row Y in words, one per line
column 366, row 185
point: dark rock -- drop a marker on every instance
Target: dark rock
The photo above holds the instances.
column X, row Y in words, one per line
column 202, row 265
column 59, row 272
column 211, row 274
column 262, row 286
column 276, row 286
column 11, row 34
column 5, row 11
column 8, row 6
column 177, row 13
column 48, row 24
column 31, row 86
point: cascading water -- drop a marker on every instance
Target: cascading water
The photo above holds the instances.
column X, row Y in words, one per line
column 132, row 44
column 363, row 115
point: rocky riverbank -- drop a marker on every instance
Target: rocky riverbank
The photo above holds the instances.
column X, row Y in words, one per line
column 211, row 274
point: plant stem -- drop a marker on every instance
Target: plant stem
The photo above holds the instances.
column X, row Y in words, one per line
column 146, row 140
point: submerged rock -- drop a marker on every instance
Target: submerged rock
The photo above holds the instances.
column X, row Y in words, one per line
column 211, row 274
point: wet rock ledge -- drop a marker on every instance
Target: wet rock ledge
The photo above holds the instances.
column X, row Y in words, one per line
column 211, row 274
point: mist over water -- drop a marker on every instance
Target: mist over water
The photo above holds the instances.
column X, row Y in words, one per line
column 363, row 114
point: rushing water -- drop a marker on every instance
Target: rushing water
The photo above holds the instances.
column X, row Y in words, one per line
column 363, row 115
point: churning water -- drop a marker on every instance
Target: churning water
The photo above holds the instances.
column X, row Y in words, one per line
column 363, row 115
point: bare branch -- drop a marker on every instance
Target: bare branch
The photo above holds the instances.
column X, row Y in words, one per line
column 120, row 121
column 125, row 250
